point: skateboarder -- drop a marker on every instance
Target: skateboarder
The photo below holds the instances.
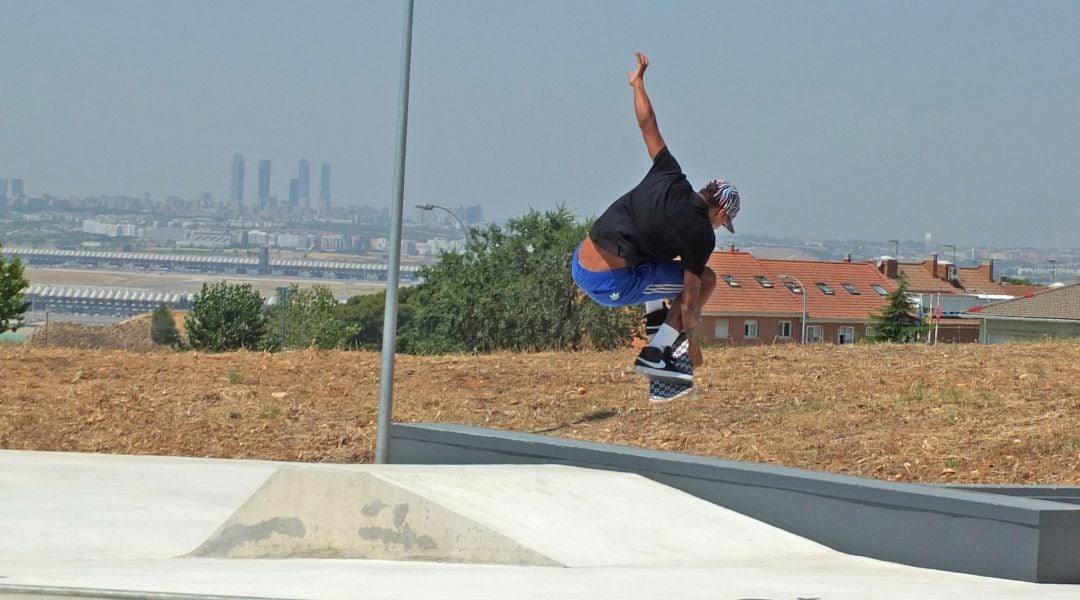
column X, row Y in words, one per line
column 629, row 255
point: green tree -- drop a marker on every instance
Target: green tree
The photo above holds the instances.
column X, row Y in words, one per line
column 225, row 317
column 513, row 291
column 364, row 316
column 312, row 318
column 896, row 321
column 163, row 329
column 1016, row 280
column 13, row 304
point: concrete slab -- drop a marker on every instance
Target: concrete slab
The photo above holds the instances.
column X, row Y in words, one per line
column 105, row 522
column 539, row 515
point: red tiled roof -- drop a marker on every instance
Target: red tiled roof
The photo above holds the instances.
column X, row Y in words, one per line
column 754, row 299
column 921, row 281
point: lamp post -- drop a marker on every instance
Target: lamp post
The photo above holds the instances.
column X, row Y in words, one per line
column 896, row 248
column 283, row 301
column 393, row 275
column 802, row 290
column 1053, row 269
column 465, row 229
column 953, row 246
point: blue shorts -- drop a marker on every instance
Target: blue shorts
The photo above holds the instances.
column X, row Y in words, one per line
column 626, row 286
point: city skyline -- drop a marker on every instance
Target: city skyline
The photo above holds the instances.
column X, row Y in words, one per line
column 837, row 118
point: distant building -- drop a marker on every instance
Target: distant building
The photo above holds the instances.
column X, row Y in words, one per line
column 164, row 233
column 324, row 189
column 236, row 185
column 1049, row 313
column 95, row 227
column 294, row 191
column 304, row 183
column 474, row 214
column 332, row 243
column 264, row 183
column 206, row 239
column 17, row 188
column 3, row 188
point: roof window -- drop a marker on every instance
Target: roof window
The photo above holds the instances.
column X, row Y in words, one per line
column 764, row 281
column 825, row 289
column 880, row 290
column 851, row 289
column 794, row 287
column 730, row 280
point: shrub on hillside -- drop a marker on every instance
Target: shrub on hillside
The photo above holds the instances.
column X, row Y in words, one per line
column 225, row 317
column 163, row 329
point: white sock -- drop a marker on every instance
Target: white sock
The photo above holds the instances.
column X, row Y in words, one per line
column 665, row 337
column 653, row 305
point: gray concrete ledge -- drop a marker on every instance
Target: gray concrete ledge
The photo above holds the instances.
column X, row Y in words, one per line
column 990, row 531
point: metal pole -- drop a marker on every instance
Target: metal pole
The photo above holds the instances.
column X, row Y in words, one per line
column 802, row 289
column 283, row 296
column 389, row 345
column 460, row 223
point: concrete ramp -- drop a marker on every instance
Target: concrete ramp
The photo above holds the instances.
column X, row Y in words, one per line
column 322, row 513
column 540, row 515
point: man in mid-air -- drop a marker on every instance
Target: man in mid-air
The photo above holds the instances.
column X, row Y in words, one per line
column 629, row 255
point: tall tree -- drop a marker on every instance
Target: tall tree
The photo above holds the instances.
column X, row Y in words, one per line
column 13, row 304
column 225, row 317
column 513, row 291
column 311, row 318
column 363, row 316
column 163, row 329
column 896, row 322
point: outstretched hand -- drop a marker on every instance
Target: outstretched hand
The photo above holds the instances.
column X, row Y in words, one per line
column 638, row 74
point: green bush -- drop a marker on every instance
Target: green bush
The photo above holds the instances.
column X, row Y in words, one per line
column 163, row 329
column 225, row 317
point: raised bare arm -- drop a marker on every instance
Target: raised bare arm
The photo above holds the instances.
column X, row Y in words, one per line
column 646, row 118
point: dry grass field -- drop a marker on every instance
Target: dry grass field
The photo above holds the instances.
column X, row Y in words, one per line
column 947, row 413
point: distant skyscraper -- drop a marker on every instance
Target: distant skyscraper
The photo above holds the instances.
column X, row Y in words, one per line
column 294, row 191
column 3, row 187
column 16, row 188
column 304, row 182
column 236, row 188
column 264, row 183
column 474, row 214
column 324, row 189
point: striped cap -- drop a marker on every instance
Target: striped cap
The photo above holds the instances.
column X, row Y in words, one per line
column 724, row 195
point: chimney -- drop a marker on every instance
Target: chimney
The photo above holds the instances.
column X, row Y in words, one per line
column 731, row 248
column 889, row 268
column 989, row 264
column 847, row 257
column 931, row 264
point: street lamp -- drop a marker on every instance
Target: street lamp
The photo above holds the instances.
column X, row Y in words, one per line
column 430, row 206
column 896, row 248
column 953, row 246
column 802, row 290
column 1053, row 269
column 283, row 296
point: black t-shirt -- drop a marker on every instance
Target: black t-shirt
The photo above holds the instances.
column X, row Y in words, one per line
column 663, row 217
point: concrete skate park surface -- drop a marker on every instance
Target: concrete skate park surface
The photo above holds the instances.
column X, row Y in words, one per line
column 72, row 523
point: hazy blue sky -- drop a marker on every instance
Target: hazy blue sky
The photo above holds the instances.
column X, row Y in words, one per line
column 842, row 119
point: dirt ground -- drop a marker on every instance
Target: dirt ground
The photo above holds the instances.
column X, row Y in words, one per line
column 947, row 413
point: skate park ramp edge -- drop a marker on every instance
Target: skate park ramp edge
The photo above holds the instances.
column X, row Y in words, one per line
column 1014, row 532
column 537, row 515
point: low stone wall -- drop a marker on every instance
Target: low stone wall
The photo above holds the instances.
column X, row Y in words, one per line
column 996, row 532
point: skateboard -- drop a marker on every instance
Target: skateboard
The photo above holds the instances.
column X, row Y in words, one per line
column 665, row 391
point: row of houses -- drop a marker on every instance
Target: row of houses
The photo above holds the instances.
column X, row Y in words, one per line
column 768, row 301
